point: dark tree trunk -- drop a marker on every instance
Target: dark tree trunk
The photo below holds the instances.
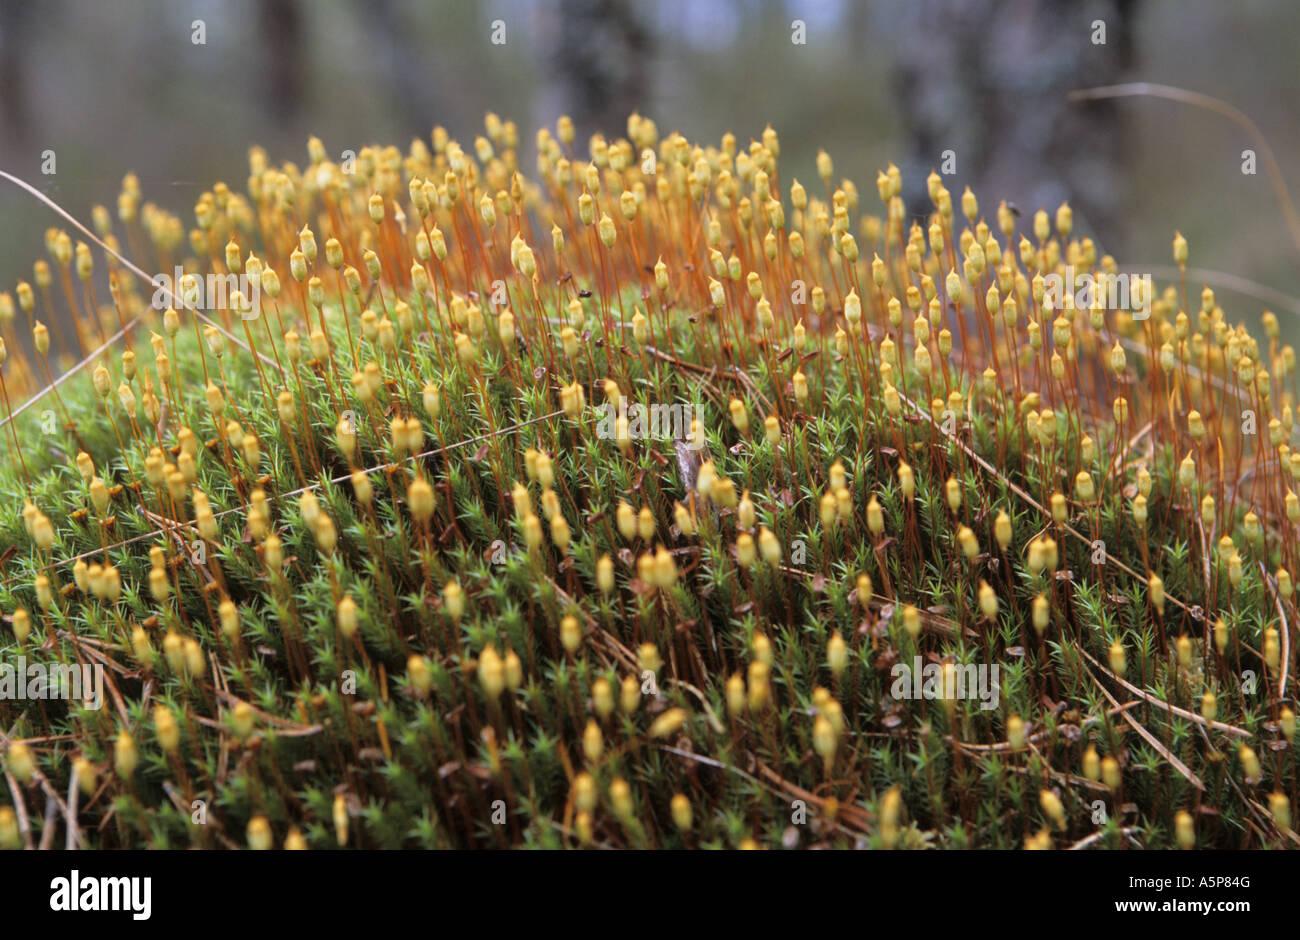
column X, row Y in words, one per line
column 990, row 81
column 601, row 62
column 15, row 17
column 282, row 30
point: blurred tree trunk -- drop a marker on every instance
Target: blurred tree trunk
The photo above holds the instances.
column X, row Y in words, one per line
column 281, row 28
column 989, row 81
column 15, row 17
column 414, row 97
column 601, row 63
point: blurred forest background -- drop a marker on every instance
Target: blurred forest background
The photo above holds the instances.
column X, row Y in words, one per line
column 118, row 85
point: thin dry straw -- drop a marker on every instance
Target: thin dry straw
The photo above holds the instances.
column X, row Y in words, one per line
column 22, row 184
column 1222, row 280
column 1196, row 99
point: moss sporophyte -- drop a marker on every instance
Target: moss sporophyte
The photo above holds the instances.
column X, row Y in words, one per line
column 628, row 500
